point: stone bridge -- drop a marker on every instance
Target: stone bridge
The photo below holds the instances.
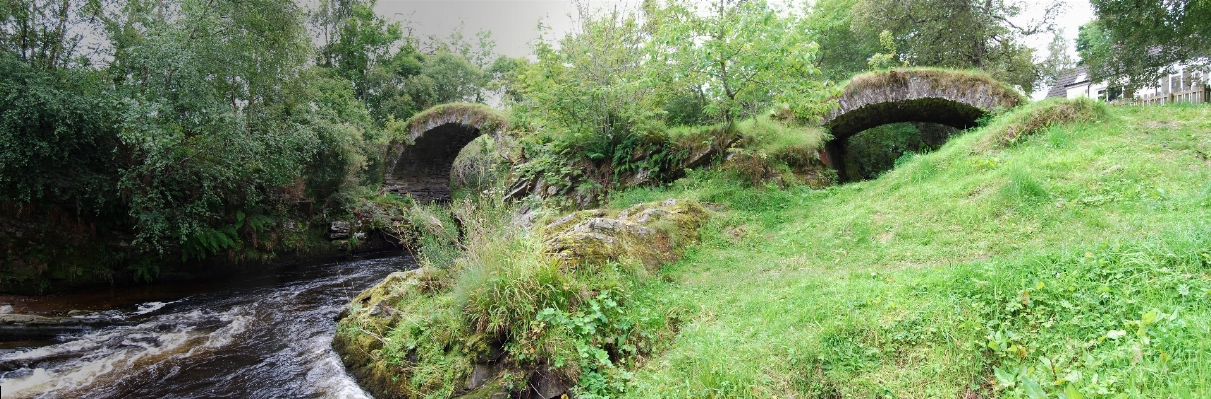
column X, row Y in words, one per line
column 419, row 165
column 953, row 98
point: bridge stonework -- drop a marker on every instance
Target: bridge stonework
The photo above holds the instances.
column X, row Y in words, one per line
column 953, row 98
column 420, row 165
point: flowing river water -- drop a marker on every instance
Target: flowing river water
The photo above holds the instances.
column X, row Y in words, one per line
column 265, row 335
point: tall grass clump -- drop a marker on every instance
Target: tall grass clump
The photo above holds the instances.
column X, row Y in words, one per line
column 1034, row 118
column 1022, row 188
column 767, row 147
column 505, row 305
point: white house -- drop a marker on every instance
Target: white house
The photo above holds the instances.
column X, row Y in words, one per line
column 1186, row 84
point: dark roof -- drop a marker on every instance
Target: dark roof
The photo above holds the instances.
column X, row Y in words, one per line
column 1066, row 79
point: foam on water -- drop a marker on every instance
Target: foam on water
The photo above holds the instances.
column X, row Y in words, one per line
column 268, row 340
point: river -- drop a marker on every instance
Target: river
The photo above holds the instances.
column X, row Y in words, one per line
column 263, row 335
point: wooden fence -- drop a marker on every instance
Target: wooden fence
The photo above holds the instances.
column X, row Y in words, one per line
column 1199, row 96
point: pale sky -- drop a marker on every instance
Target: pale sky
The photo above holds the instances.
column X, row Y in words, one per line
column 513, row 23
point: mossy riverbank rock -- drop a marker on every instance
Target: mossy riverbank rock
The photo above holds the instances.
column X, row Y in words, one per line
column 462, row 361
column 653, row 233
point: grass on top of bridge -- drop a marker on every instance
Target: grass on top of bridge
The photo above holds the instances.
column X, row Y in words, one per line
column 482, row 116
column 1075, row 262
column 939, row 78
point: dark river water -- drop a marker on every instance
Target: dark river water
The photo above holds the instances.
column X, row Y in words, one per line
column 254, row 336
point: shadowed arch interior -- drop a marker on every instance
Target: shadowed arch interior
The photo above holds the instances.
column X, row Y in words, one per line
column 423, row 169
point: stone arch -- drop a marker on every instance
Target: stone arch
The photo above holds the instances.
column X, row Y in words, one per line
column 953, row 98
column 419, row 165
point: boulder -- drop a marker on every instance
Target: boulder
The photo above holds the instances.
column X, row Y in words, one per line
column 653, row 233
column 339, row 230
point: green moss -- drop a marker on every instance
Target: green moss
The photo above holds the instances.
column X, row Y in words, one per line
column 653, row 233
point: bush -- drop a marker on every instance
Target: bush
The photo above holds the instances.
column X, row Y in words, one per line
column 59, row 135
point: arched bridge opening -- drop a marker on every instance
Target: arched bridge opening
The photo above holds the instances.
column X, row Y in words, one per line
column 420, row 164
column 957, row 99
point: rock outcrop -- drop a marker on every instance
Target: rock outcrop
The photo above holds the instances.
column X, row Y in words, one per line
column 653, row 233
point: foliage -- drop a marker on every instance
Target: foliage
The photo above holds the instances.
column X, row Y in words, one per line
column 960, row 34
column 1133, row 42
column 742, row 56
column 166, row 120
column 844, row 49
column 58, row 134
column 48, row 34
column 888, row 60
column 201, row 112
column 882, row 148
column 354, row 39
column 596, row 108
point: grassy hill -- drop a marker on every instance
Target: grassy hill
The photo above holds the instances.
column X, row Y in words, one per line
column 1071, row 261
column 1062, row 250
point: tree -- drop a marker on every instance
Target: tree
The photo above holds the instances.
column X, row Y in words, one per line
column 356, row 39
column 47, row 33
column 206, row 132
column 742, row 55
column 844, row 50
column 445, row 78
column 590, row 85
column 1133, row 42
column 1057, row 62
column 57, row 138
column 977, row 34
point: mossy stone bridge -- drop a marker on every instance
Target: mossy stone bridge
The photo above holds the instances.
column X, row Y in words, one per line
column 953, row 98
column 420, row 163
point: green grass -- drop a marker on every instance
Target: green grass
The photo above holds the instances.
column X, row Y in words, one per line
column 764, row 132
column 482, row 117
column 1073, row 262
column 1033, row 118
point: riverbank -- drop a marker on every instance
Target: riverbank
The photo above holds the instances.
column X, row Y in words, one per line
column 42, row 260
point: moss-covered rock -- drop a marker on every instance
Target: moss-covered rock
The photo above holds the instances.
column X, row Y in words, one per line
column 496, row 322
column 653, row 233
